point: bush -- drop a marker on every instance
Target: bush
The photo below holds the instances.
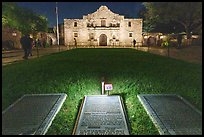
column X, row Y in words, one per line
column 165, row 44
column 47, row 45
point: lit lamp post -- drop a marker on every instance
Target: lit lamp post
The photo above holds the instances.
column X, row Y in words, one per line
column 102, row 93
column 57, row 26
column 102, row 84
column 14, row 34
column 148, row 42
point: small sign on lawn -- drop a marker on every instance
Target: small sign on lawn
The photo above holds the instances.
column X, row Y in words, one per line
column 108, row 87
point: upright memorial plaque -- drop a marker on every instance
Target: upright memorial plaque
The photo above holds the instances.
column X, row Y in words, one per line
column 101, row 115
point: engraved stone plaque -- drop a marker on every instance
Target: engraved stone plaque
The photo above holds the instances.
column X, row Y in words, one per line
column 172, row 114
column 32, row 114
column 101, row 115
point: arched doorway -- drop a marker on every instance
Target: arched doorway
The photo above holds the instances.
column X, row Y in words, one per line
column 103, row 40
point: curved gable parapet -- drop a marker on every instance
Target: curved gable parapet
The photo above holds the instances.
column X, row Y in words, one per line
column 102, row 13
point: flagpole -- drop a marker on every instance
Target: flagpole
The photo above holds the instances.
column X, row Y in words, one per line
column 57, row 26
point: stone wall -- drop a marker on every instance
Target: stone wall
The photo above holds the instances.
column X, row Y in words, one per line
column 10, row 38
column 102, row 26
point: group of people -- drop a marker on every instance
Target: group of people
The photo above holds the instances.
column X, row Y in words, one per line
column 162, row 42
column 27, row 45
column 179, row 40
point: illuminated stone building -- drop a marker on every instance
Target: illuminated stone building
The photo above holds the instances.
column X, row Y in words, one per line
column 102, row 28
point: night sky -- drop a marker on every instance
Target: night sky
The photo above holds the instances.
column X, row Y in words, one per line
column 78, row 9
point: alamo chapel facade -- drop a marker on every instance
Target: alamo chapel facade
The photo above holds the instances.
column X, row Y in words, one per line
column 102, row 28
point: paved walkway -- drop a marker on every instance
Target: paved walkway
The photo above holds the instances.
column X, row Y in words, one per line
column 12, row 56
column 191, row 54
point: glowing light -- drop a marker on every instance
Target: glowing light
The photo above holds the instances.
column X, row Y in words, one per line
column 102, row 92
column 145, row 37
column 14, row 34
column 161, row 37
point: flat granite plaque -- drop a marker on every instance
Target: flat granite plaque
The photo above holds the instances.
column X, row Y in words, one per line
column 101, row 115
column 172, row 114
column 32, row 114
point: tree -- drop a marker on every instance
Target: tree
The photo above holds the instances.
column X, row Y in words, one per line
column 22, row 19
column 188, row 14
column 9, row 16
column 170, row 27
column 149, row 19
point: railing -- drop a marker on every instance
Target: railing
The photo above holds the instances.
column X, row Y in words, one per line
column 110, row 26
column 112, row 45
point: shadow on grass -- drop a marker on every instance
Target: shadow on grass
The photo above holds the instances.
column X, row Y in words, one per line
column 79, row 108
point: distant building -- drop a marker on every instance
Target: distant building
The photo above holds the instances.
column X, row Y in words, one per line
column 10, row 38
column 102, row 28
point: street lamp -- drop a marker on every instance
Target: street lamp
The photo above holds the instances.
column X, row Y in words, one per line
column 57, row 26
column 102, row 84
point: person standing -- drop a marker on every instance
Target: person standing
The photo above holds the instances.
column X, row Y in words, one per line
column 26, row 43
column 30, row 47
column 39, row 43
column 75, row 42
column 148, row 42
column 44, row 43
column 179, row 40
column 134, row 42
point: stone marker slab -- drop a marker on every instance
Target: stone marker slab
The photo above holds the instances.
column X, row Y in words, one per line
column 101, row 115
column 32, row 114
column 172, row 114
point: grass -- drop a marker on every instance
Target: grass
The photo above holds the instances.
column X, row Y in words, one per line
column 78, row 72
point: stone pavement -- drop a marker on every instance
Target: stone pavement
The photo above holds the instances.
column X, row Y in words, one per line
column 192, row 54
column 172, row 114
column 12, row 56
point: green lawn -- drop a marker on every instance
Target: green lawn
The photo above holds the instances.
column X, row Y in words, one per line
column 78, row 72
